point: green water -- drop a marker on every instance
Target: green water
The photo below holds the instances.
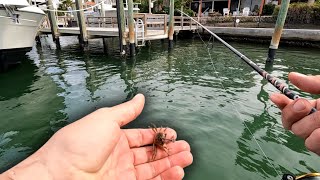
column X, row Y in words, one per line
column 52, row 88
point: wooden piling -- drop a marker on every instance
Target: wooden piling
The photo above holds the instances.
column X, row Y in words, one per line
column 150, row 9
column 105, row 45
column 200, row 10
column 171, row 24
column 261, row 7
column 102, row 10
column 278, row 30
column 53, row 24
column 121, row 27
column 131, row 28
column 83, row 38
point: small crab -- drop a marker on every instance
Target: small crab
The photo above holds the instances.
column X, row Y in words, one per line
column 160, row 140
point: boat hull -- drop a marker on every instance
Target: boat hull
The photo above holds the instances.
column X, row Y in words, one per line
column 21, row 34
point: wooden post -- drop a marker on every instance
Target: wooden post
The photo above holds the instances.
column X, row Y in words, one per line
column 83, row 38
column 123, row 25
column 200, row 10
column 171, row 24
column 165, row 24
column 131, row 28
column 145, row 24
column 105, row 45
column 102, row 10
column 261, row 7
column 120, row 18
column 53, row 24
column 150, row 9
column 278, row 30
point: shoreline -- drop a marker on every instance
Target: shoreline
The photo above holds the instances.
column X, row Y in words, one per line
column 292, row 37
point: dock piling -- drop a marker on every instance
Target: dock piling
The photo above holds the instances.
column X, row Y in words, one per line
column 171, row 24
column 105, row 45
column 53, row 24
column 83, row 38
column 278, row 30
column 121, row 25
column 131, row 28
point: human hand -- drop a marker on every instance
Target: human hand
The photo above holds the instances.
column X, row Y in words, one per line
column 295, row 113
column 95, row 147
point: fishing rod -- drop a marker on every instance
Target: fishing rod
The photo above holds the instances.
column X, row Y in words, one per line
column 271, row 79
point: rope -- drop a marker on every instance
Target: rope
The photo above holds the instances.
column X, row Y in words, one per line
column 237, row 111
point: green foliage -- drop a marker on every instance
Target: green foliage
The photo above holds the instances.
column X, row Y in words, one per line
column 268, row 9
column 65, row 4
column 162, row 6
column 144, row 6
column 301, row 13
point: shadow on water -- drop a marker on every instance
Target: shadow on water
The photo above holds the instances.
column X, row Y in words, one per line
column 31, row 112
column 17, row 80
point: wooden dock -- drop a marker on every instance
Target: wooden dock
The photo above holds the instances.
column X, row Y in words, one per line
column 155, row 26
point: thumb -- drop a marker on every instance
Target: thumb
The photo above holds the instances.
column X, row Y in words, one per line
column 128, row 111
column 309, row 84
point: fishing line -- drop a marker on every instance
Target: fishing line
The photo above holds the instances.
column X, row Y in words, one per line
column 237, row 112
column 274, row 81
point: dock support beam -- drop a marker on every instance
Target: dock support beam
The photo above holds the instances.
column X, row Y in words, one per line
column 278, row 30
column 53, row 24
column 171, row 24
column 121, row 25
column 131, row 28
column 83, row 38
column 105, row 45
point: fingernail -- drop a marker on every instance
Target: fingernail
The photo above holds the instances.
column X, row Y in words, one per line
column 299, row 106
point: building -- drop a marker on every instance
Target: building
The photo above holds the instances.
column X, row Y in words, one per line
column 235, row 5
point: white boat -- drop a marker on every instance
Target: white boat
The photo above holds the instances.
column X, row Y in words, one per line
column 19, row 23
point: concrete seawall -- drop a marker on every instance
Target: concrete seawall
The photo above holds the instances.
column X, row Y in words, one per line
column 287, row 34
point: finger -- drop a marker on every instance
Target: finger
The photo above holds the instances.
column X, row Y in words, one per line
column 127, row 112
column 313, row 143
column 153, row 169
column 304, row 127
column 295, row 111
column 144, row 154
column 309, row 84
column 175, row 172
column 142, row 137
column 280, row 100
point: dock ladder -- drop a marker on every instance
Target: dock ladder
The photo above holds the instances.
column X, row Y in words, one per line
column 139, row 30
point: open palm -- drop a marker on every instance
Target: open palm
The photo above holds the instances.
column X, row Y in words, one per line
column 95, row 147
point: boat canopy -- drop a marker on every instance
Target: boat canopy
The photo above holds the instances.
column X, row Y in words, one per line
column 14, row 2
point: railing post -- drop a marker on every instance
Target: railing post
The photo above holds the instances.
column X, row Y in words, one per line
column 181, row 23
column 165, row 24
column 145, row 25
column 87, row 22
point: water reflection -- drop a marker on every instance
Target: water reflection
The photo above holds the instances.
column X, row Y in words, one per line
column 182, row 90
column 31, row 112
column 128, row 74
